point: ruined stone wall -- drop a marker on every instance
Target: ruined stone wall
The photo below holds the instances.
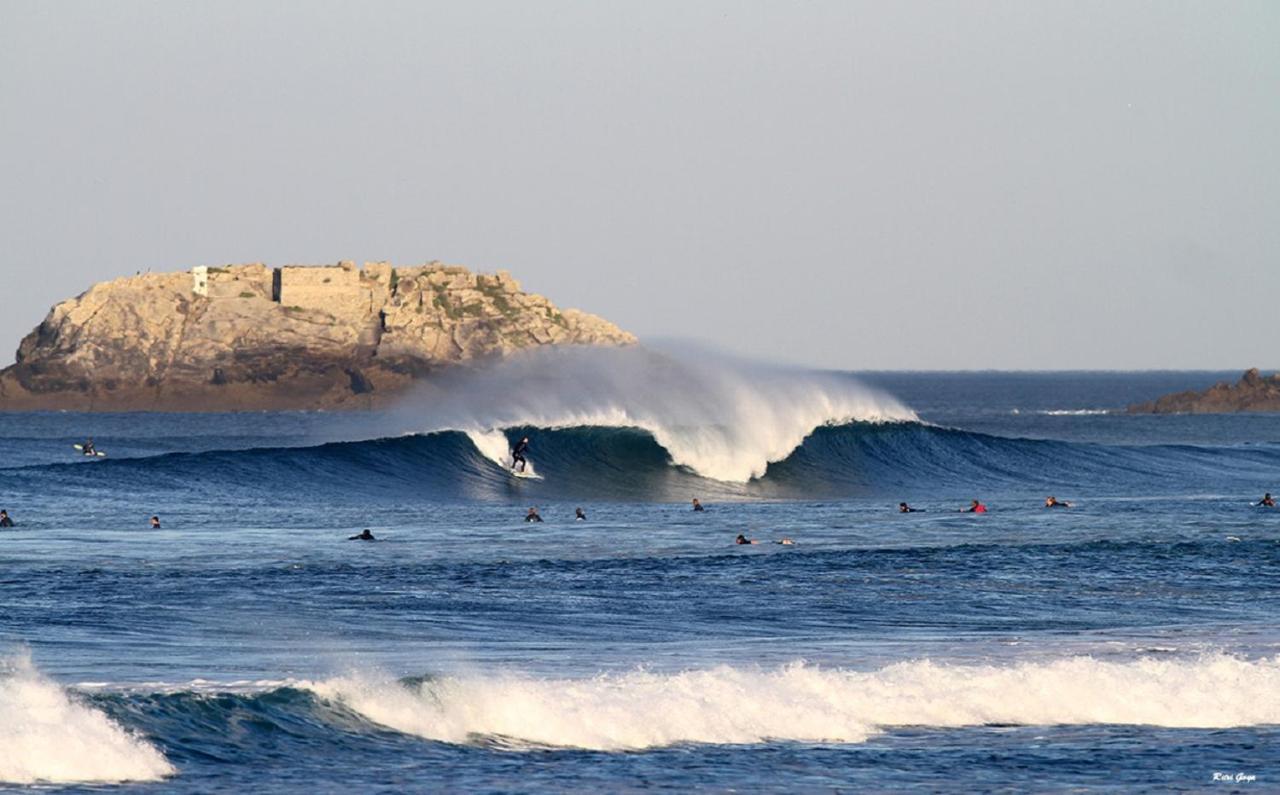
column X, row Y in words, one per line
column 335, row 289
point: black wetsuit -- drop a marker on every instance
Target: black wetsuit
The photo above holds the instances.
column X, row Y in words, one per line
column 365, row 536
column 533, row 517
column 580, row 516
column 5, row 521
column 517, row 454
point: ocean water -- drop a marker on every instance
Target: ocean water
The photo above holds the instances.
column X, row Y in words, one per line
column 1129, row 643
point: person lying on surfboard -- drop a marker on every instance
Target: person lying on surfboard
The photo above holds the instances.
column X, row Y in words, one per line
column 517, row 454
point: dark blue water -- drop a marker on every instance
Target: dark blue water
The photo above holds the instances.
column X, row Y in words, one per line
column 1129, row 642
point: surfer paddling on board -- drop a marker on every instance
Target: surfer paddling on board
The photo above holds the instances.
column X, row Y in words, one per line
column 1267, row 501
column 974, row 507
column 517, row 454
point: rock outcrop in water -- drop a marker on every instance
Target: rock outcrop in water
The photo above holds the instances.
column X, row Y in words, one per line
column 296, row 337
column 1253, row 392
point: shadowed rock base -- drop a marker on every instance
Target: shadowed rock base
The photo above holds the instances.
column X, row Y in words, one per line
column 1252, row 392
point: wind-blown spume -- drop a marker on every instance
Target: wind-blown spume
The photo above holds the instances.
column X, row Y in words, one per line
column 723, row 419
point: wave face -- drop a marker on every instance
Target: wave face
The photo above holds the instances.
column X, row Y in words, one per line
column 631, row 464
column 723, row 419
column 638, row 424
column 47, row 736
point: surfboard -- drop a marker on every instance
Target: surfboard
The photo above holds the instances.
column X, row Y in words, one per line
column 526, row 475
column 98, row 453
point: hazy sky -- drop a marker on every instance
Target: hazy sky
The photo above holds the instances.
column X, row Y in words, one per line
column 850, row 185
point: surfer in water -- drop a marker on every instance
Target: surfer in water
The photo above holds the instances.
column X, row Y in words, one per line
column 517, row 454
column 974, row 507
column 5, row 521
column 579, row 515
column 742, row 539
column 87, row 448
column 364, row 535
column 697, row 506
column 155, row 523
column 1054, row 502
column 904, row 508
column 532, row 515
column 1267, row 501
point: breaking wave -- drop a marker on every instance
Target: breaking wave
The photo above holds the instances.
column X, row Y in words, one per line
column 803, row 703
column 49, row 736
column 723, row 419
column 597, row 463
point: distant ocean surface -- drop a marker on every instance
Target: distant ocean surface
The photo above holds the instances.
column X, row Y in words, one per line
column 1128, row 643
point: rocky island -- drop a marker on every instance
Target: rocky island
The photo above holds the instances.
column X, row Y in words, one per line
column 1253, row 392
column 250, row 337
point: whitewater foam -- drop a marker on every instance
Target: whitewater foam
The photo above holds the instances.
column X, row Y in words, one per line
column 494, row 446
column 46, row 736
column 722, row 418
column 798, row 702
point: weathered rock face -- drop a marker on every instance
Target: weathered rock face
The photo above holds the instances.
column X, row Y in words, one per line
column 1252, row 392
column 252, row 337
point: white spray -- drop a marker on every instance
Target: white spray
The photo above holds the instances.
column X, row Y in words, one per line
column 723, row 418
column 47, row 736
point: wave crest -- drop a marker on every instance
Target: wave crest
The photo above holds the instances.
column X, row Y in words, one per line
column 46, row 736
column 803, row 703
column 722, row 418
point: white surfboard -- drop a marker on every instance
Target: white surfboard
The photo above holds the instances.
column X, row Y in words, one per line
column 98, row 453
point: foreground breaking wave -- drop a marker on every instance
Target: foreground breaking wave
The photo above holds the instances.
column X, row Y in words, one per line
column 727, row 705
column 51, row 737
column 46, row 736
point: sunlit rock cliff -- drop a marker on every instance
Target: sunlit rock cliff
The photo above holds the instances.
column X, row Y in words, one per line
column 253, row 337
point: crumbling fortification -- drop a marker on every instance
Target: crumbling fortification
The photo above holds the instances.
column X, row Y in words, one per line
column 297, row 336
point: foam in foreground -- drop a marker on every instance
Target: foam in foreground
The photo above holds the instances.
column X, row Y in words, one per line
column 810, row 704
column 47, row 736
